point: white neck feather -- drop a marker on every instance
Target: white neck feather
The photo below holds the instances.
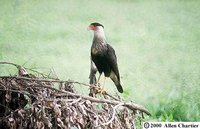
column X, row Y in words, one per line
column 99, row 33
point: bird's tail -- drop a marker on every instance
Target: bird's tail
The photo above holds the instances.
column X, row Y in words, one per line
column 119, row 88
column 117, row 83
column 116, row 80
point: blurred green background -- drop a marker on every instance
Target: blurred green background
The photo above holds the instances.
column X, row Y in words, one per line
column 157, row 43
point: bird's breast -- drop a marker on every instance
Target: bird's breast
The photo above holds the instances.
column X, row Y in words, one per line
column 98, row 48
column 94, row 51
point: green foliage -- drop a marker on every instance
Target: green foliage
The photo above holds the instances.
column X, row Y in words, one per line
column 177, row 110
column 156, row 42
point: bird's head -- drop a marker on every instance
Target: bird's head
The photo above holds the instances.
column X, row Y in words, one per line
column 95, row 26
column 98, row 30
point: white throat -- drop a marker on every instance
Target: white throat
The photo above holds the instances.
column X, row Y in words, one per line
column 99, row 33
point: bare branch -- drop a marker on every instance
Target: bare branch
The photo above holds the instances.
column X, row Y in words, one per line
column 61, row 107
column 130, row 105
column 113, row 115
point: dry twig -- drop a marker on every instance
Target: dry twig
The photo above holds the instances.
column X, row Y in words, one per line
column 32, row 102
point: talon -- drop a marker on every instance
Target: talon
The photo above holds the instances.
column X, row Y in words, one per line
column 100, row 90
column 97, row 84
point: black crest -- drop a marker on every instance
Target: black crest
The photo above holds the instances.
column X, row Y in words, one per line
column 96, row 24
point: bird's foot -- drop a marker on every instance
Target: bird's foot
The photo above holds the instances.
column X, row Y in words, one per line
column 100, row 90
column 97, row 84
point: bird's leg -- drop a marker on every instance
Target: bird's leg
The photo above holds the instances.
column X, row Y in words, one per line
column 97, row 84
column 98, row 79
column 104, row 83
column 99, row 89
column 102, row 90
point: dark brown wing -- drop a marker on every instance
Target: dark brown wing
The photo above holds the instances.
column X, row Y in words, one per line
column 112, row 60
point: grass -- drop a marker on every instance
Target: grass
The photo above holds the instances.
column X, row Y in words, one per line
column 157, row 44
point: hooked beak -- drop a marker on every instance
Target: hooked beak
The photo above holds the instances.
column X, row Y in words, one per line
column 90, row 27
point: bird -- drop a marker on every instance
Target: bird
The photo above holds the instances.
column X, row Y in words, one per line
column 104, row 57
